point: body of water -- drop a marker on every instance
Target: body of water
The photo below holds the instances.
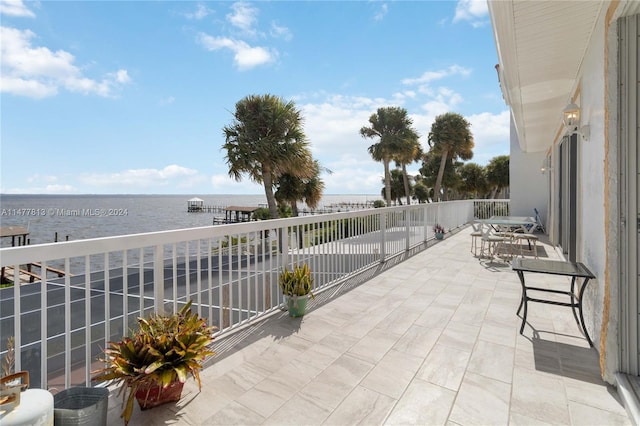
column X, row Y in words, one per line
column 77, row 217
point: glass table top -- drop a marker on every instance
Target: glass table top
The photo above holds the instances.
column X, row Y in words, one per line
column 554, row 267
column 507, row 220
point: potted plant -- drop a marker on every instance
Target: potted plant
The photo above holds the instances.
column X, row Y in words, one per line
column 10, row 382
column 296, row 285
column 153, row 364
column 439, row 231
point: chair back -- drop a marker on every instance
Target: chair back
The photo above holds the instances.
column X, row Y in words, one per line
column 538, row 222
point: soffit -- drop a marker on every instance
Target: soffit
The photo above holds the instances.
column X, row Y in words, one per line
column 541, row 46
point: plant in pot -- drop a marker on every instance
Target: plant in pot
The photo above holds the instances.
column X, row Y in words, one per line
column 439, row 231
column 296, row 285
column 153, row 364
column 11, row 383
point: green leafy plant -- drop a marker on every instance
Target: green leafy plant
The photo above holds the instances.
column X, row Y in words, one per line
column 165, row 348
column 296, row 282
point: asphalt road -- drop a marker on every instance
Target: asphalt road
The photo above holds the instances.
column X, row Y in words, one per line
column 243, row 275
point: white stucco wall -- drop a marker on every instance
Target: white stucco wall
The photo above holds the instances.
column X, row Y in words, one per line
column 529, row 187
column 591, row 238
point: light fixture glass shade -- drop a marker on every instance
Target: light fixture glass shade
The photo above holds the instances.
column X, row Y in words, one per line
column 571, row 115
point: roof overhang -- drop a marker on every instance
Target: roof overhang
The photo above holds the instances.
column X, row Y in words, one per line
column 541, row 47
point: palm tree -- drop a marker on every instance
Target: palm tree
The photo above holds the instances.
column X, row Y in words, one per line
column 429, row 173
column 421, row 192
column 391, row 125
column 397, row 186
column 266, row 140
column 474, row 180
column 292, row 189
column 451, row 138
column 409, row 150
column 498, row 173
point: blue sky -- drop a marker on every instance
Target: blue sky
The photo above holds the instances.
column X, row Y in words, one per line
column 101, row 97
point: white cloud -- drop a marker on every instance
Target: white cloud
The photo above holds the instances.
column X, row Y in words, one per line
column 58, row 189
column 201, row 12
column 444, row 100
column 41, row 184
column 38, row 177
column 15, row 8
column 245, row 56
column 429, row 76
column 244, row 17
column 474, row 11
column 43, row 188
column 37, row 72
column 167, row 101
column 382, row 12
column 433, row 100
column 490, row 134
column 280, row 32
column 144, row 178
column 223, row 184
column 332, row 125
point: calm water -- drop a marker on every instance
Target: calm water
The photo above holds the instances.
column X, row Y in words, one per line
column 79, row 217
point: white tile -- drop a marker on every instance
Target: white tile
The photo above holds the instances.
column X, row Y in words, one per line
column 493, row 361
column 422, row 404
column 481, row 401
column 393, row 373
column 362, row 406
column 445, row 366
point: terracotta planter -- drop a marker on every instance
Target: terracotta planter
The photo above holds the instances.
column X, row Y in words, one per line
column 152, row 396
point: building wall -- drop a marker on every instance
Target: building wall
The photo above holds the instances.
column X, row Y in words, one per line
column 592, row 225
column 529, row 187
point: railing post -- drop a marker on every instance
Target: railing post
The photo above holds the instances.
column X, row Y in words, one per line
column 267, row 294
column 226, row 322
column 283, row 236
column 383, row 229
column 158, row 280
column 17, row 317
column 407, row 226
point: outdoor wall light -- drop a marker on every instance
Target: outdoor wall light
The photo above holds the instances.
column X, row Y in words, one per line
column 572, row 121
column 546, row 165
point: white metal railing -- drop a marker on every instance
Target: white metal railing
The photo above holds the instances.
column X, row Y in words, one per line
column 230, row 272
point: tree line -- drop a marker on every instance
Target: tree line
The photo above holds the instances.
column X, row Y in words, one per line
column 267, row 143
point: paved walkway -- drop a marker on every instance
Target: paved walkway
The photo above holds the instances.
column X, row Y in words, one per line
column 430, row 341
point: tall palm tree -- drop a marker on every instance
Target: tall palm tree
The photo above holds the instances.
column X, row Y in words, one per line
column 266, row 140
column 409, row 151
column 391, row 125
column 451, row 138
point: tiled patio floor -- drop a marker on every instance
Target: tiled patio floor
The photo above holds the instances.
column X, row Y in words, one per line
column 431, row 341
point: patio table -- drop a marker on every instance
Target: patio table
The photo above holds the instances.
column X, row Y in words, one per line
column 570, row 269
column 510, row 222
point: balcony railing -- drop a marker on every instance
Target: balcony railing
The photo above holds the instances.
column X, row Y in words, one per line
column 230, row 272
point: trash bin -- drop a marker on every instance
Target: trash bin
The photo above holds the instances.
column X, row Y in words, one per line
column 81, row 406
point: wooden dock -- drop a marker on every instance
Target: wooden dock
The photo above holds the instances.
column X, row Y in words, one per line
column 26, row 274
column 205, row 209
